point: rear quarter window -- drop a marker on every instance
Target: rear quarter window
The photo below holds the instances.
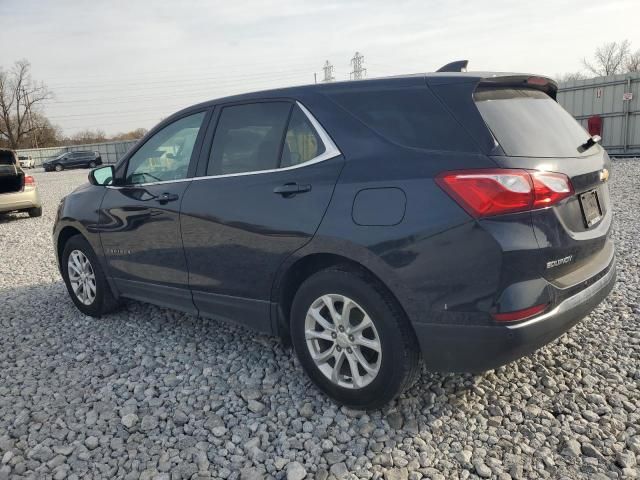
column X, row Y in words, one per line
column 411, row 117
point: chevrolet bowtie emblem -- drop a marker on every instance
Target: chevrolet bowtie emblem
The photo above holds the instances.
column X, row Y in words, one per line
column 604, row 175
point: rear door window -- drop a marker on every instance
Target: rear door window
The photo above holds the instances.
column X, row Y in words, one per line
column 248, row 138
column 529, row 123
column 411, row 117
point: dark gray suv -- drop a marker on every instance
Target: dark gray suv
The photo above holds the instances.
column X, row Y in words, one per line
column 461, row 219
column 78, row 159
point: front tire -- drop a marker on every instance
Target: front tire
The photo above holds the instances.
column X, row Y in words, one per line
column 352, row 338
column 58, row 168
column 86, row 283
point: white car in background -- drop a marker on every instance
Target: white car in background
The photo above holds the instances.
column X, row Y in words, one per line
column 26, row 161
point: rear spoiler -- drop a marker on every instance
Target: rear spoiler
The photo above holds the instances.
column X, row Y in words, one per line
column 457, row 66
column 537, row 82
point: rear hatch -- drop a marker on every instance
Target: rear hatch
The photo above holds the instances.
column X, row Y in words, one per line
column 11, row 175
column 533, row 132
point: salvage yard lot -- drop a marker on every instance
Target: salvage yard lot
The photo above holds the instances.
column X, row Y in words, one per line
column 152, row 393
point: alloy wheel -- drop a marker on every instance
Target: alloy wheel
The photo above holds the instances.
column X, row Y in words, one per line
column 81, row 277
column 343, row 341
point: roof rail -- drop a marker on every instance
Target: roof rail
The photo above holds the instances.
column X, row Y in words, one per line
column 457, row 66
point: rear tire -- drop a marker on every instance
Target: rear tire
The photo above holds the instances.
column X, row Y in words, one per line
column 340, row 344
column 58, row 168
column 35, row 212
column 99, row 300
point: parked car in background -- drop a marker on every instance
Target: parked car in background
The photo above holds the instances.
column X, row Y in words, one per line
column 26, row 161
column 80, row 159
column 459, row 218
column 18, row 192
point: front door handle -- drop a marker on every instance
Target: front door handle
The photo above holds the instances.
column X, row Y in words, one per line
column 167, row 197
column 290, row 189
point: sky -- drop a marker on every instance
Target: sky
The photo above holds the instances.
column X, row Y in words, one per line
column 119, row 65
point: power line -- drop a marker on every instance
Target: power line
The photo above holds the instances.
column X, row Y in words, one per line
column 228, row 67
column 108, row 86
column 357, row 63
column 206, row 88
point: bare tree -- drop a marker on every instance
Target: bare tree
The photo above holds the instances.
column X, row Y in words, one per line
column 45, row 134
column 89, row 136
column 566, row 77
column 633, row 62
column 609, row 58
column 19, row 96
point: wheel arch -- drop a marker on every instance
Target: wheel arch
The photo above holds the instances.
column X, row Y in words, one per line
column 63, row 237
column 303, row 267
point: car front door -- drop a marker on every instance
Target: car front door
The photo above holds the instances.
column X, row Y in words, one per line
column 270, row 174
column 67, row 160
column 140, row 216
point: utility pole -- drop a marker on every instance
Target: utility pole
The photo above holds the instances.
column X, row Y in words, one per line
column 30, row 118
column 359, row 71
column 328, row 72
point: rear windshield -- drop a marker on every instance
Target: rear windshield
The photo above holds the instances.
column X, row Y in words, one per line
column 529, row 123
column 7, row 158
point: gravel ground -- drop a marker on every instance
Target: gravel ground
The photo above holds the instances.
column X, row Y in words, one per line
column 151, row 393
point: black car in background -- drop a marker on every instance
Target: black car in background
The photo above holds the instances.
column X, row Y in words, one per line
column 79, row 159
column 461, row 219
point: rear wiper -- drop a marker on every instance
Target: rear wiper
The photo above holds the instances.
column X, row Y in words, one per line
column 589, row 143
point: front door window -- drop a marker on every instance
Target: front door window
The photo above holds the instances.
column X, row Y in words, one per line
column 166, row 155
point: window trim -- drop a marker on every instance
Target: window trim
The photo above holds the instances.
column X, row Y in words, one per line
column 331, row 151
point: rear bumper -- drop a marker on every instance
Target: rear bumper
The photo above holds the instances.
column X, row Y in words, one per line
column 472, row 348
column 23, row 200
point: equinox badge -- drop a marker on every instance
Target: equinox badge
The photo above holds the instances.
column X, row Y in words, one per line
column 560, row 261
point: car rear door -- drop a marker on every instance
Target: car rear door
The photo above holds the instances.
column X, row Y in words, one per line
column 140, row 216
column 69, row 160
column 265, row 184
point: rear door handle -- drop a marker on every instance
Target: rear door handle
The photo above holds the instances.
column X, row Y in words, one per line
column 167, row 197
column 290, row 189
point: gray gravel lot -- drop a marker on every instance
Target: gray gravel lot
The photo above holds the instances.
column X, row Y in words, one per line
column 151, row 393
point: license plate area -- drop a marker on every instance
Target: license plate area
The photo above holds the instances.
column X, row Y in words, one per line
column 591, row 210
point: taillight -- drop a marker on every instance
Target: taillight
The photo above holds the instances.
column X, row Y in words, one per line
column 550, row 188
column 488, row 192
column 29, row 182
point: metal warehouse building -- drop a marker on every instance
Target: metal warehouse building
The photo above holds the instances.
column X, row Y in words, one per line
column 609, row 107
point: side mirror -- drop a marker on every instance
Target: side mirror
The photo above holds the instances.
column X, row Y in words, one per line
column 102, row 175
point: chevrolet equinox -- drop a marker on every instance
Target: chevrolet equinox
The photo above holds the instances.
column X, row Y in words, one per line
column 460, row 220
